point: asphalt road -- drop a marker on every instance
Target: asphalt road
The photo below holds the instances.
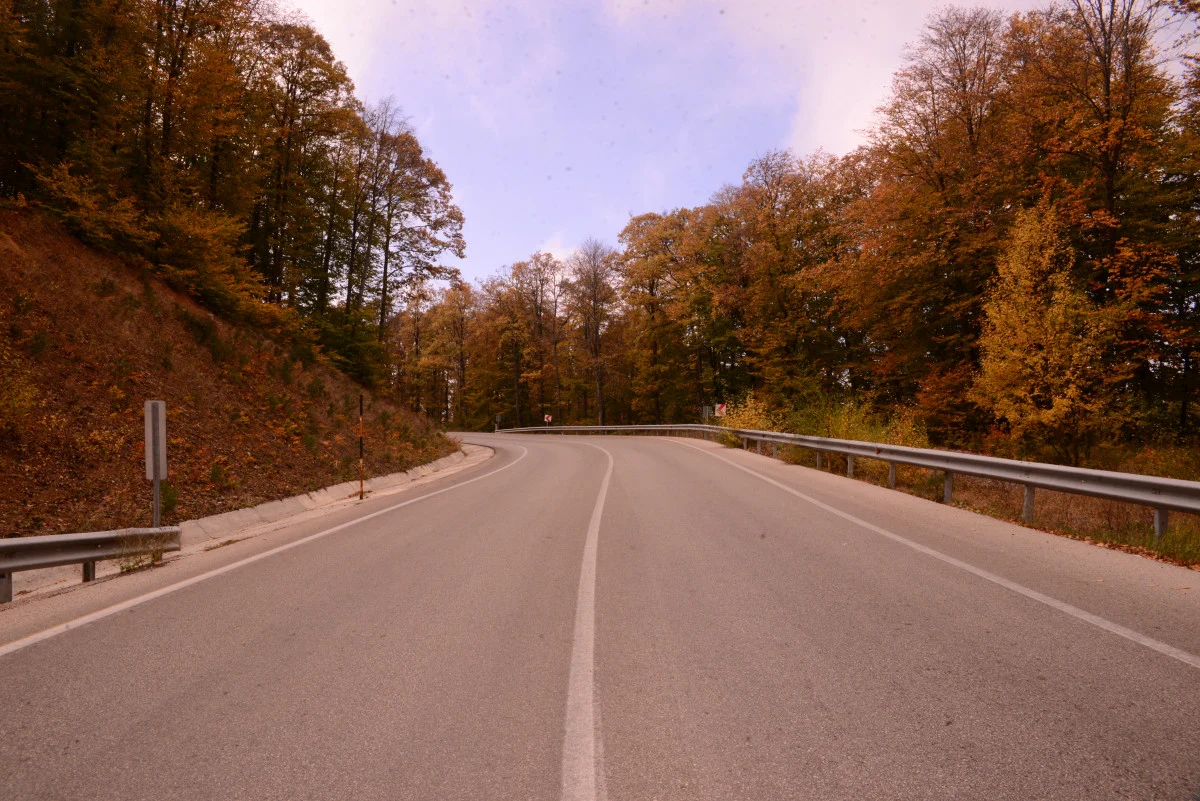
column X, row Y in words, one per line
column 585, row 618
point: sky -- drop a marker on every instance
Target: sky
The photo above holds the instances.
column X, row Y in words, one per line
column 557, row 121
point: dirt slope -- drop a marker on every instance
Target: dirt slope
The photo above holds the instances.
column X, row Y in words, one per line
column 85, row 340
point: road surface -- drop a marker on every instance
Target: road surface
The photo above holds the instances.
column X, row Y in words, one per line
column 586, row 618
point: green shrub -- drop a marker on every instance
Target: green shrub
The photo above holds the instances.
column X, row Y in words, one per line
column 205, row 332
column 219, row 477
column 302, row 352
column 170, row 498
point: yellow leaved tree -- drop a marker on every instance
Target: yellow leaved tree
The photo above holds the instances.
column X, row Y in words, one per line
column 1043, row 370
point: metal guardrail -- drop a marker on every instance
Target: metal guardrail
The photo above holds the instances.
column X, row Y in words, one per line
column 33, row 553
column 1163, row 495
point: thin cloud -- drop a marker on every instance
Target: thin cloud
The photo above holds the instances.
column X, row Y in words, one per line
column 556, row 246
column 834, row 61
column 555, row 118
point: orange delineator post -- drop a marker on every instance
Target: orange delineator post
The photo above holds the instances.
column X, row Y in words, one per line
column 361, row 491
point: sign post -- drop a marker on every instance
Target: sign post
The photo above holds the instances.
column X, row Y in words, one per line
column 156, row 452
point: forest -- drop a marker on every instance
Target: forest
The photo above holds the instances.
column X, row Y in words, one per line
column 1009, row 264
column 220, row 144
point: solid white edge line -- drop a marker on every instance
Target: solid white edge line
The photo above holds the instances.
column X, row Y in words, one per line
column 579, row 763
column 1062, row 606
column 53, row 631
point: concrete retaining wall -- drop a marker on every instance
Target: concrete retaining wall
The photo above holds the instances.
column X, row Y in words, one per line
column 207, row 528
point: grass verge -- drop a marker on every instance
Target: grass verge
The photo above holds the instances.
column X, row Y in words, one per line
column 1111, row 524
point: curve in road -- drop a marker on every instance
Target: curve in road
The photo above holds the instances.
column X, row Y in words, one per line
column 622, row 618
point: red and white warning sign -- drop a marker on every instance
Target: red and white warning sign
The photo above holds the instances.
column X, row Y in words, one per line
column 547, row 418
column 719, row 411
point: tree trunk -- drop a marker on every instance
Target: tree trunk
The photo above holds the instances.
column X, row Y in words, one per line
column 516, row 384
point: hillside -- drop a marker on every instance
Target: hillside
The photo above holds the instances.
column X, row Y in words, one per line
column 86, row 339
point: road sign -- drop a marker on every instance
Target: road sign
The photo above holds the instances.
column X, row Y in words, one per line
column 720, row 410
column 156, row 451
column 548, row 418
column 156, row 440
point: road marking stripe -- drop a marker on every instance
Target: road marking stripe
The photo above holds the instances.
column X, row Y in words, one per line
column 25, row 642
column 579, row 766
column 1062, row 606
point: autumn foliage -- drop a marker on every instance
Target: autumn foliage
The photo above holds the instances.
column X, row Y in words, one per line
column 86, row 340
column 220, row 142
column 1009, row 264
column 1047, row 366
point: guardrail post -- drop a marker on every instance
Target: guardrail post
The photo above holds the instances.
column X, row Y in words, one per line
column 1027, row 508
column 89, row 571
column 849, row 466
column 819, row 460
column 758, row 446
column 745, row 444
column 1160, row 523
column 6, row 588
column 891, row 475
column 948, row 488
column 774, row 450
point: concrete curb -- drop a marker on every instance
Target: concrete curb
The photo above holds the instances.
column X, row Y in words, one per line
column 201, row 532
column 216, row 526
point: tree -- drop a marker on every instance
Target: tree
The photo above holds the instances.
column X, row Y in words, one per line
column 1044, row 371
column 420, row 220
column 1179, row 365
column 926, row 209
column 593, row 298
column 453, row 321
column 666, row 383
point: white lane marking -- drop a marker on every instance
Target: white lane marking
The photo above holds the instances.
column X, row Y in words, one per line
column 579, row 766
column 1021, row 589
column 25, row 642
